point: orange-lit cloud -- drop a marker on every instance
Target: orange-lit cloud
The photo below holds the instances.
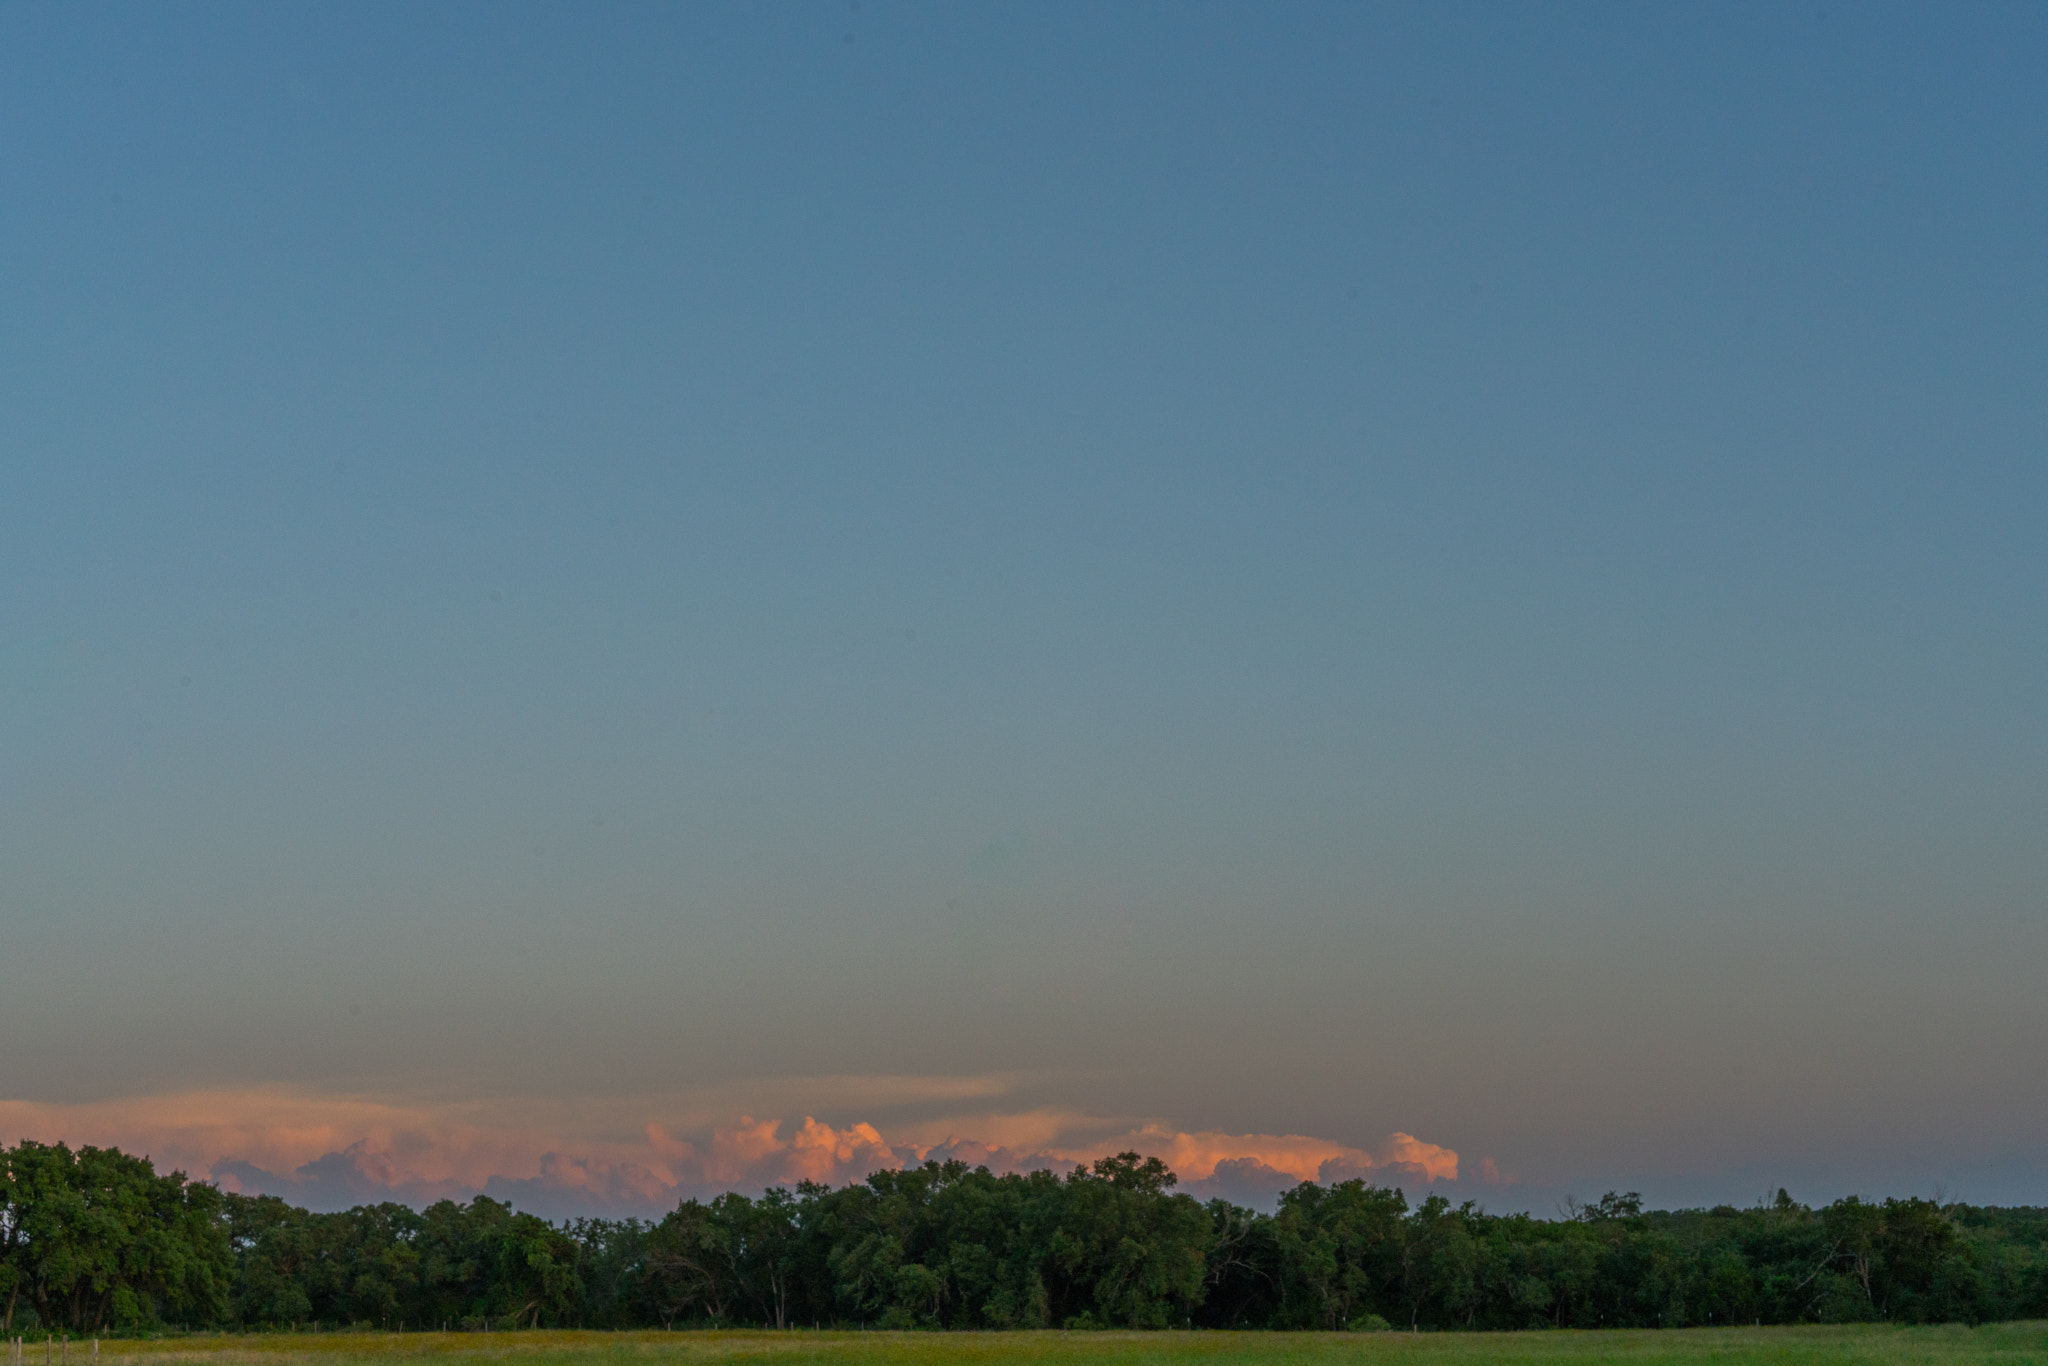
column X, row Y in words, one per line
column 279, row 1128
column 1195, row 1156
column 333, row 1151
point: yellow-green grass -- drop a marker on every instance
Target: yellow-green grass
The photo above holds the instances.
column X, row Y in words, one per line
column 1941, row 1346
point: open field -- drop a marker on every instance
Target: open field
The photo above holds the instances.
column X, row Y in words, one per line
column 1937, row 1346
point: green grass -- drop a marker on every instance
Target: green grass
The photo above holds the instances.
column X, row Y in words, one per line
column 1942, row 1346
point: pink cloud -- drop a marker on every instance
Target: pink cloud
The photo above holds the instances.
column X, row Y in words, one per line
column 334, row 1151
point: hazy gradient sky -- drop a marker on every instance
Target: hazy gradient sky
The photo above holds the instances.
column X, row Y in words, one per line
column 1026, row 574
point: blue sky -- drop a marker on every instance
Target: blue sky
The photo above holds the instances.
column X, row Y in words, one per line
column 1318, row 570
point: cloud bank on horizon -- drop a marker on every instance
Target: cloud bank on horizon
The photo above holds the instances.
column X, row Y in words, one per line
column 332, row 1152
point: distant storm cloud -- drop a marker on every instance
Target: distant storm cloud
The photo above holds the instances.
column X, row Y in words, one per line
column 1196, row 1156
column 330, row 1152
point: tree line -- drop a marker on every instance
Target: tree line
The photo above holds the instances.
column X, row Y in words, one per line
column 97, row 1241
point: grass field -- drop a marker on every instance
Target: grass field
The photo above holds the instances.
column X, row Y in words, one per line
column 1944, row 1346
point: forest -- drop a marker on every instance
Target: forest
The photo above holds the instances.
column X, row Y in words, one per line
column 97, row 1241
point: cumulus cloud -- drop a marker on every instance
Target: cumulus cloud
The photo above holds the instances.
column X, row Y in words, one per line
column 330, row 1152
column 1244, row 1181
column 569, row 1185
column 356, row 1175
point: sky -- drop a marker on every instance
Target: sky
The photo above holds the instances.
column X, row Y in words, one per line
column 605, row 603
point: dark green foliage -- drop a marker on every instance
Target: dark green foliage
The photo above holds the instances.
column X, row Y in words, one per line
column 395, row 1267
column 95, row 1240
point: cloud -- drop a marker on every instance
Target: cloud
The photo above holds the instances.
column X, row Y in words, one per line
column 571, row 1185
column 1244, row 1181
column 1402, row 1153
column 752, row 1153
column 356, row 1175
column 1196, row 1155
column 331, row 1152
column 281, row 1129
